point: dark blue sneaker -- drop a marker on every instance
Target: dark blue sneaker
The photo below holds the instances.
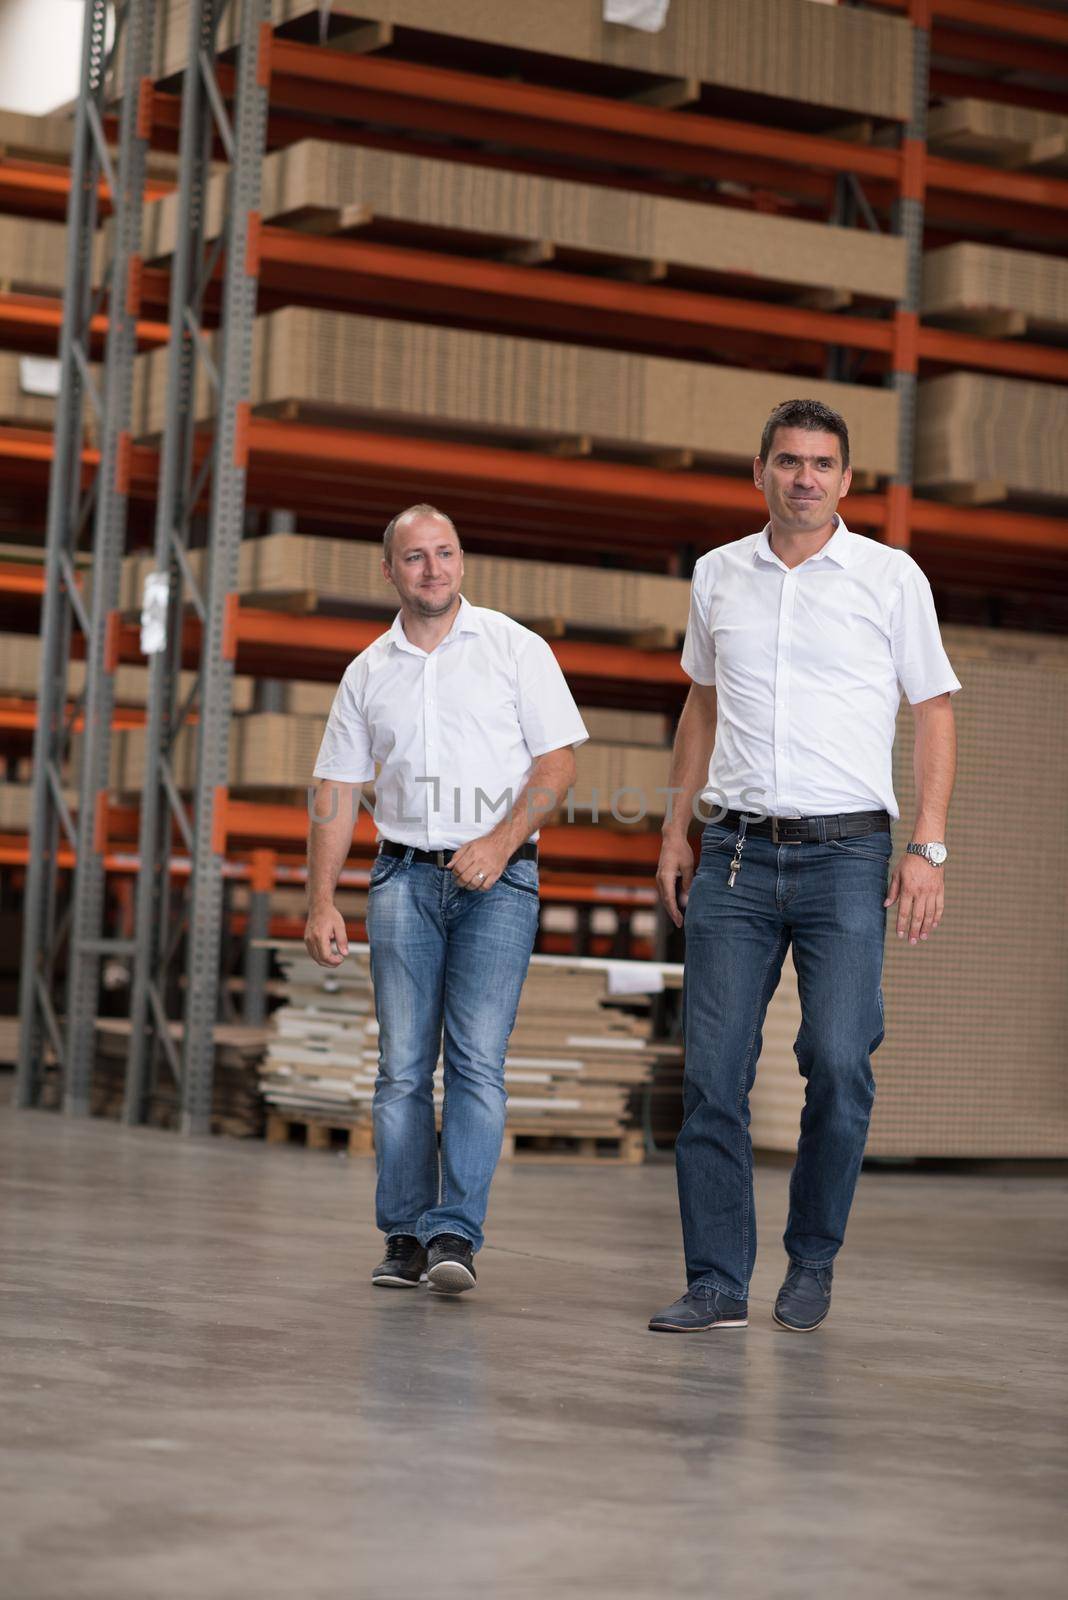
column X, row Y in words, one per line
column 805, row 1298
column 700, row 1309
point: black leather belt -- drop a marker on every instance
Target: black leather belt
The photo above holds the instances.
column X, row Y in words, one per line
column 812, row 830
column 441, row 858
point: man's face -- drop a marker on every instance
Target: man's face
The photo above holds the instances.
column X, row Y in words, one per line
column 803, row 479
column 426, row 565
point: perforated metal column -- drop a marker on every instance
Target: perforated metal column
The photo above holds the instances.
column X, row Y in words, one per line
column 54, row 930
column 211, row 468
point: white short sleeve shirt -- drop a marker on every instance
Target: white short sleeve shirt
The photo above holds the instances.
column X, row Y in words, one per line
column 809, row 665
column 453, row 733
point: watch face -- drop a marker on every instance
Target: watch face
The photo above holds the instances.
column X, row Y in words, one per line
column 937, row 853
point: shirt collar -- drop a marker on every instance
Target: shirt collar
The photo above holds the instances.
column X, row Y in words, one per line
column 839, row 547
column 467, row 620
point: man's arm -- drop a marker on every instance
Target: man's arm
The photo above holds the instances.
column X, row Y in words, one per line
column 694, row 739
column 333, row 818
column 550, row 778
column 917, row 887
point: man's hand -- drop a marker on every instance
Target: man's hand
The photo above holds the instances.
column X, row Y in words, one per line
column 919, row 890
column 325, row 929
column 674, row 874
column 479, row 863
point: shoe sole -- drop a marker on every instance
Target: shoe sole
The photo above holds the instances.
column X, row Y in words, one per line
column 396, row 1283
column 450, row 1277
column 671, row 1327
column 808, row 1327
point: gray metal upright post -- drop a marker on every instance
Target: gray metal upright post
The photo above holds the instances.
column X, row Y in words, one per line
column 70, row 511
column 109, row 542
column 227, row 360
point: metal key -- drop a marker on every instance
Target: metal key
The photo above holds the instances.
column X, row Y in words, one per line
column 736, row 863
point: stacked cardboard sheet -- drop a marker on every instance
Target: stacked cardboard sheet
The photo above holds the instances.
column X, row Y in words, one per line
column 573, row 1061
column 832, row 56
column 33, row 256
column 24, row 137
column 1009, row 290
column 982, row 1073
column 16, row 806
column 20, row 664
column 345, row 574
column 1014, row 136
column 493, row 384
column 316, row 185
column 992, row 437
column 277, row 750
column 236, row 1105
column 28, row 389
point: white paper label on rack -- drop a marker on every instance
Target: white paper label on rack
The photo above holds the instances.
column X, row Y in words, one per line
column 154, row 614
column 39, row 375
column 649, row 15
column 634, row 977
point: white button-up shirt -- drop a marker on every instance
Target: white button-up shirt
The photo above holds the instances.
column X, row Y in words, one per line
column 809, row 665
column 454, row 733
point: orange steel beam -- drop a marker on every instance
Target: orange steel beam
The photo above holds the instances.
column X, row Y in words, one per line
column 330, row 82
column 18, row 717
column 33, row 323
column 17, row 577
column 1000, row 16
column 41, row 189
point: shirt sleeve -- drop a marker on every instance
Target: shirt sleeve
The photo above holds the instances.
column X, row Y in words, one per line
column 547, row 711
column 699, row 647
column 345, row 752
column 922, row 666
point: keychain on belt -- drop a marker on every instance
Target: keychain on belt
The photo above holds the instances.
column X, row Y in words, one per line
column 736, row 861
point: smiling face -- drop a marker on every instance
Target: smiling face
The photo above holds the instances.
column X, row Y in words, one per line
column 803, row 479
column 426, row 564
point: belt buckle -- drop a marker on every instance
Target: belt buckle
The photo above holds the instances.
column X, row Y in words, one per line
column 439, row 858
column 776, row 837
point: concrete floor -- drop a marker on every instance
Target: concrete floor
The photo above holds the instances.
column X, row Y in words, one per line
column 202, row 1397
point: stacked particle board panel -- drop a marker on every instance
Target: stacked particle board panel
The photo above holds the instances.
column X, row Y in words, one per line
column 854, row 60
column 494, row 384
column 980, row 1072
column 1008, row 290
column 988, row 438
column 316, row 185
column 236, row 1105
column 346, row 574
column 573, row 1061
column 1004, row 134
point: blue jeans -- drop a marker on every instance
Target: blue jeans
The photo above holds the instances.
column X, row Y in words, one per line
column 827, row 901
column 443, row 956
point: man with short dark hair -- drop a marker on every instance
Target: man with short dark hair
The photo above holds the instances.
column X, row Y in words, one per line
column 468, row 718
column 800, row 642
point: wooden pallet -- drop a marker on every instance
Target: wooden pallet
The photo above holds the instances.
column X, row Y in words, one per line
column 626, row 1149
column 319, row 1133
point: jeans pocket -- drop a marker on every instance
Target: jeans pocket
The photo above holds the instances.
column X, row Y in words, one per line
column 877, row 847
column 521, row 875
column 384, row 868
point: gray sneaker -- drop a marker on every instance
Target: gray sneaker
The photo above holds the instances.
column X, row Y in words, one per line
column 804, row 1300
column 700, row 1309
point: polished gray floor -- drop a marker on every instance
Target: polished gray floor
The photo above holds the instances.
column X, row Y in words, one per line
column 203, row 1397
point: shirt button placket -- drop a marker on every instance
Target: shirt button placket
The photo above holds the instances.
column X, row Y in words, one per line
column 430, row 746
column 782, row 689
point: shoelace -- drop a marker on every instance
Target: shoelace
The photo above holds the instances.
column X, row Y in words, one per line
column 400, row 1245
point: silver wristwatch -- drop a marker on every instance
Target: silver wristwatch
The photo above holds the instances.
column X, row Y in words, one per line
column 935, row 853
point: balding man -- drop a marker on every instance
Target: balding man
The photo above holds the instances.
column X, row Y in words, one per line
column 468, row 718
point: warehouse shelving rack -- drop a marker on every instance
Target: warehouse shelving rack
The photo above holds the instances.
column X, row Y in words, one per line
column 306, row 91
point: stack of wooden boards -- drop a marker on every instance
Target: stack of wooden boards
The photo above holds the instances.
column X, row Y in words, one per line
column 236, row 1107
column 574, row 1061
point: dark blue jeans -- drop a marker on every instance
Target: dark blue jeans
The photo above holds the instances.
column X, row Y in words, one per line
column 827, row 901
column 443, row 958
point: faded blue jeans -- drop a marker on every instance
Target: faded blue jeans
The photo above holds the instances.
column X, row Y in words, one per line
column 827, row 901
column 453, row 958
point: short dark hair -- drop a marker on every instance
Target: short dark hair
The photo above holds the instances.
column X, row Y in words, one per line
column 810, row 414
column 421, row 510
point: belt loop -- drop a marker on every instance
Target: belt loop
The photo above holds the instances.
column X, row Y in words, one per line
column 821, row 829
column 409, row 855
